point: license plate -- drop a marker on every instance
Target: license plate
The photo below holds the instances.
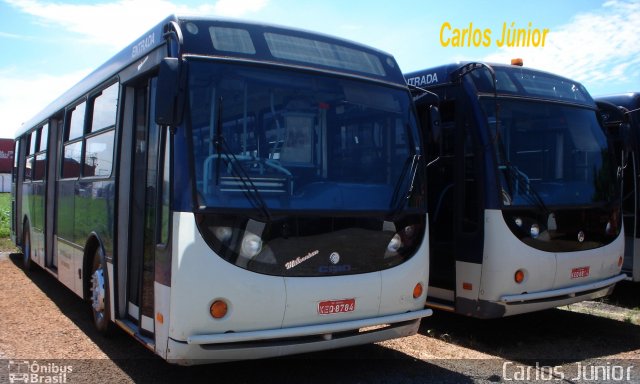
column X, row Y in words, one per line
column 336, row 306
column 579, row 272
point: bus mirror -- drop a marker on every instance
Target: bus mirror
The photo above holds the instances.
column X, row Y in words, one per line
column 169, row 99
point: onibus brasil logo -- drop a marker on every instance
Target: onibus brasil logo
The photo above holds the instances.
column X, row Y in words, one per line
column 23, row 371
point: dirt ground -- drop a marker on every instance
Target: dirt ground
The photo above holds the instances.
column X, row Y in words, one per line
column 43, row 324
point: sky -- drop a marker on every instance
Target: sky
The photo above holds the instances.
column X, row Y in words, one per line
column 48, row 46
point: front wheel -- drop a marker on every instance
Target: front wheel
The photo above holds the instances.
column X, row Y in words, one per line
column 100, row 300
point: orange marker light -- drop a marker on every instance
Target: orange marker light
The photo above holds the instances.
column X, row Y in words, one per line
column 467, row 286
column 619, row 261
column 518, row 61
column 218, row 309
column 417, row 290
column 159, row 318
column 519, row 276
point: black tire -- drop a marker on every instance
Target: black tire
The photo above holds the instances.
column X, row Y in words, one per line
column 99, row 297
column 27, row 261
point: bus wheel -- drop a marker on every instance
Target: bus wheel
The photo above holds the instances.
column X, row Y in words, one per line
column 100, row 300
column 27, row 262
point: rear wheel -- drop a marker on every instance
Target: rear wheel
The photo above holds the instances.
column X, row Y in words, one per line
column 27, row 262
column 100, row 300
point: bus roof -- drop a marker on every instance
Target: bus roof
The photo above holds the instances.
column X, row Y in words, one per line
column 236, row 40
column 629, row 100
column 528, row 82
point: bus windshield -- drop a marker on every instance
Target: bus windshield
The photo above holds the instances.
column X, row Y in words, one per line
column 284, row 140
column 549, row 153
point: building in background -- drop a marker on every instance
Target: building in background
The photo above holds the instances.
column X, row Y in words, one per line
column 6, row 162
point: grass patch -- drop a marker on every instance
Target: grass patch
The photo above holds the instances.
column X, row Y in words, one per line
column 6, row 245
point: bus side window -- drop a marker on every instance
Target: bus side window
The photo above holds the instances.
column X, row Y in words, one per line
column 32, row 139
column 98, row 157
column 72, row 152
column 40, row 160
column 16, row 159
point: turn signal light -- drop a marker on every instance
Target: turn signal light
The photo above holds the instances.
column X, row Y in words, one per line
column 417, row 290
column 218, row 309
column 619, row 261
column 519, row 276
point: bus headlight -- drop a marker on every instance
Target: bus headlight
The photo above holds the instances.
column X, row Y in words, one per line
column 535, row 231
column 409, row 230
column 395, row 244
column 223, row 233
column 251, row 245
column 403, row 239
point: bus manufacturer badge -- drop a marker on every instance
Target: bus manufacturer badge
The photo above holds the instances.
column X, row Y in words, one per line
column 334, row 258
column 580, row 237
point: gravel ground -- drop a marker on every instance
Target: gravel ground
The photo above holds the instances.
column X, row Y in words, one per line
column 44, row 326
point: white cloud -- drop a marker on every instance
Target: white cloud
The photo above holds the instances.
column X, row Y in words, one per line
column 13, row 36
column 236, row 8
column 599, row 48
column 112, row 24
column 118, row 23
column 23, row 96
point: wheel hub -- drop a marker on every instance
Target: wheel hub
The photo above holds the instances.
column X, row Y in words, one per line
column 97, row 290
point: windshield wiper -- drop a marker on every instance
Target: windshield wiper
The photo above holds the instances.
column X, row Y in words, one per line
column 410, row 168
column 522, row 181
column 250, row 190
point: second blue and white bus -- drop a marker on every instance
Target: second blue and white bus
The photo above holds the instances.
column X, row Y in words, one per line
column 523, row 201
column 621, row 116
column 224, row 190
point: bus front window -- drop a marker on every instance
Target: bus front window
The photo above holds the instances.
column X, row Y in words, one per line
column 280, row 140
column 549, row 154
column 289, row 165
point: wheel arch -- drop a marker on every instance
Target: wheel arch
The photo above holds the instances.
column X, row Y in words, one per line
column 94, row 243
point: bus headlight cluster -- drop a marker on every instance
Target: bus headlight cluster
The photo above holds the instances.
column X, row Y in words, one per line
column 400, row 240
column 527, row 226
column 612, row 228
column 250, row 243
column 534, row 228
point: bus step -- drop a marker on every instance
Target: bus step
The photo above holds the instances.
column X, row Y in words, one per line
column 440, row 306
column 133, row 330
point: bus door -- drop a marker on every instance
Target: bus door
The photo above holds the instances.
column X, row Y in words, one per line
column 16, row 187
column 630, row 213
column 57, row 126
column 455, row 197
column 144, row 205
column 625, row 143
column 441, row 198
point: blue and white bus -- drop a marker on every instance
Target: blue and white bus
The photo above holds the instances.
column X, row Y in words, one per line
column 225, row 190
column 621, row 116
column 524, row 211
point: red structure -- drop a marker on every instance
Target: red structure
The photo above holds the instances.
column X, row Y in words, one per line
column 6, row 155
